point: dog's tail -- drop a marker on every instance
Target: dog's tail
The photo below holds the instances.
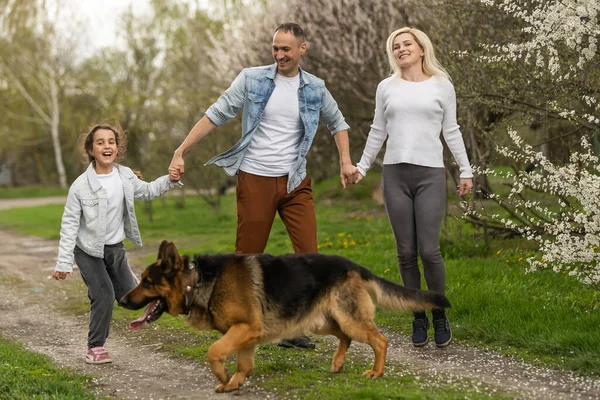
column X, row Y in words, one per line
column 396, row 297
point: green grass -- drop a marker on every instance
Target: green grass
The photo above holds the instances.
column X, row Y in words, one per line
column 42, row 221
column 31, row 191
column 305, row 374
column 545, row 318
column 26, row 375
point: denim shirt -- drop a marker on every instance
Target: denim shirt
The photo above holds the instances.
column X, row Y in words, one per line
column 251, row 90
column 84, row 219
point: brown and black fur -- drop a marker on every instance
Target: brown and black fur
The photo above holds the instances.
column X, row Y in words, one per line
column 254, row 299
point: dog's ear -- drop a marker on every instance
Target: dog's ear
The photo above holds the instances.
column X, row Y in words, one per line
column 170, row 259
column 161, row 249
column 186, row 261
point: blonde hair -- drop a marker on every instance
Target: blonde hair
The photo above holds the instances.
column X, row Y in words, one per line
column 430, row 64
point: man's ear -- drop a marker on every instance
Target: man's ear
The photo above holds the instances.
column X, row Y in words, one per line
column 161, row 250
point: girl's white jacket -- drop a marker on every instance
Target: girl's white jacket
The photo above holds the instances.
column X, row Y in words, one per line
column 84, row 219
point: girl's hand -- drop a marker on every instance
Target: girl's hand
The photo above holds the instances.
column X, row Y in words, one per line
column 464, row 186
column 174, row 174
column 61, row 275
column 176, row 167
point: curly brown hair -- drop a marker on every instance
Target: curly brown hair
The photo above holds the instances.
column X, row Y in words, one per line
column 120, row 137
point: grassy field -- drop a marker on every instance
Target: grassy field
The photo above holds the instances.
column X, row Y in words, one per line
column 32, row 376
column 31, row 191
column 545, row 318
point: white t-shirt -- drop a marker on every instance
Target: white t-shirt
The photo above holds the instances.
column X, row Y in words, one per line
column 275, row 145
column 411, row 116
column 115, row 228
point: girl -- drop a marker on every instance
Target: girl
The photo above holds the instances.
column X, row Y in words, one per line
column 98, row 215
column 412, row 107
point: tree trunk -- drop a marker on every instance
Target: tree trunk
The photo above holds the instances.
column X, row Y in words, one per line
column 54, row 127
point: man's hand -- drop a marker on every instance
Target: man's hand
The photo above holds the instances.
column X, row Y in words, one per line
column 61, row 275
column 347, row 174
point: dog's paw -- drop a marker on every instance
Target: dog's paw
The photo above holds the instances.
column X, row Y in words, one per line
column 372, row 374
column 337, row 367
column 229, row 387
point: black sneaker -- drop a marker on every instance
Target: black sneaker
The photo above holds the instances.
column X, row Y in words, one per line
column 419, row 335
column 301, row 342
column 441, row 332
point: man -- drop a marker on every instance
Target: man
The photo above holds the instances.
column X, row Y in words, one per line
column 282, row 106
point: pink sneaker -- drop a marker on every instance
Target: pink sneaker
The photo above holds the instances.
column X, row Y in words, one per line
column 97, row 355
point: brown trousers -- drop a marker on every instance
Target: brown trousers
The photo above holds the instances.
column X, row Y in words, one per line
column 259, row 198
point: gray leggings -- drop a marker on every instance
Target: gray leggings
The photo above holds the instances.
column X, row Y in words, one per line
column 415, row 198
column 107, row 280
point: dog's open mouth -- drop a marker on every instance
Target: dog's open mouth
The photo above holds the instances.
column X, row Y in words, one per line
column 153, row 312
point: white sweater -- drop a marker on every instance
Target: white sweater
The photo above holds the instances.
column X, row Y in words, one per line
column 412, row 115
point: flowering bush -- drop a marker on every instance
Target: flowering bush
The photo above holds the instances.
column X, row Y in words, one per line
column 561, row 44
column 566, row 225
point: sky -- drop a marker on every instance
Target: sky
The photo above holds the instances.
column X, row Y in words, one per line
column 101, row 17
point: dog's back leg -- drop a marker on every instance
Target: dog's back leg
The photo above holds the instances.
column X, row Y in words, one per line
column 340, row 355
column 332, row 328
column 354, row 314
column 240, row 337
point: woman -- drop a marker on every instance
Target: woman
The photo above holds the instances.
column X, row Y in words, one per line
column 413, row 106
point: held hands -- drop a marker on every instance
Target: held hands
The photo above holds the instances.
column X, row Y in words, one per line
column 176, row 168
column 174, row 174
column 349, row 175
column 347, row 172
column 61, row 275
column 464, row 186
column 357, row 176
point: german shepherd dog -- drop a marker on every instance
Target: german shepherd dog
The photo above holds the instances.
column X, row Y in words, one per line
column 260, row 298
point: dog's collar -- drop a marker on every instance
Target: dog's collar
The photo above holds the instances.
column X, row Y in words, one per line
column 190, row 287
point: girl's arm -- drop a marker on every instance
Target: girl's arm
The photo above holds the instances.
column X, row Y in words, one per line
column 148, row 190
column 68, row 233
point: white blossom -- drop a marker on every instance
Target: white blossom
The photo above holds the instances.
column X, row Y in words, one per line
column 570, row 244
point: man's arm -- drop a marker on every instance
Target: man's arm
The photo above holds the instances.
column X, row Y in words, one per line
column 224, row 109
column 332, row 116
column 198, row 132
column 347, row 170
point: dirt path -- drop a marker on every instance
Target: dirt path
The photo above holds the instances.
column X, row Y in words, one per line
column 29, row 303
column 12, row 203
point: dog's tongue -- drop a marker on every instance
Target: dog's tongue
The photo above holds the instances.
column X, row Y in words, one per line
column 137, row 324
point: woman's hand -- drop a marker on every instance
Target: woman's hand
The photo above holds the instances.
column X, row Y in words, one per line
column 464, row 186
column 358, row 176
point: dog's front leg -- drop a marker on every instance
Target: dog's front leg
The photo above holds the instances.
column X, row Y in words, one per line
column 239, row 337
column 245, row 365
